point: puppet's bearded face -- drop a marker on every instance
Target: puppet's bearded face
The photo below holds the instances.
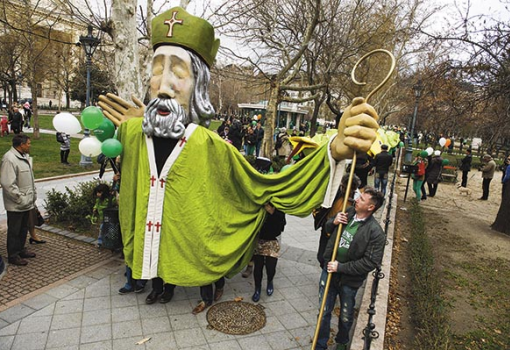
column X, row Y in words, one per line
column 172, row 83
column 166, row 118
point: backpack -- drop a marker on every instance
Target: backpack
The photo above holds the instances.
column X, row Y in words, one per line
column 421, row 169
column 60, row 138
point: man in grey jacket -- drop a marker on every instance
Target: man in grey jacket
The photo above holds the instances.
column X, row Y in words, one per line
column 360, row 250
column 488, row 168
column 19, row 195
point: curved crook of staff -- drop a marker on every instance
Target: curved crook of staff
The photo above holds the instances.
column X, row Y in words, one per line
column 349, row 184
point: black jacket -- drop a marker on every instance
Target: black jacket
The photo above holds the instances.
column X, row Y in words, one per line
column 365, row 252
column 273, row 226
column 466, row 163
column 382, row 162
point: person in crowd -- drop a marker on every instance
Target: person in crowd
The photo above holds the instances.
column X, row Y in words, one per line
column 503, row 167
column 321, row 217
column 3, row 268
column 225, row 134
column 206, row 293
column 487, row 169
column 34, row 237
column 27, row 114
column 506, row 175
column 465, row 166
column 363, row 168
column 17, row 121
column 259, row 137
column 361, row 249
column 419, row 176
column 250, row 141
column 104, row 199
column 19, row 195
column 160, row 290
column 267, row 250
column 236, row 133
column 427, row 169
column 65, row 148
column 132, row 285
column 222, row 126
column 382, row 162
column 4, row 124
column 433, row 173
column 282, row 145
column 171, row 163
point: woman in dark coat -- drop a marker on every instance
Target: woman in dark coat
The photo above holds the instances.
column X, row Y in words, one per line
column 434, row 173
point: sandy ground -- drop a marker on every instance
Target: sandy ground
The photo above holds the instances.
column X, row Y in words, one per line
column 459, row 228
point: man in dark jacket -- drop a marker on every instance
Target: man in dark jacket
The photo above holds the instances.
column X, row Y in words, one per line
column 382, row 163
column 17, row 121
column 465, row 166
column 360, row 251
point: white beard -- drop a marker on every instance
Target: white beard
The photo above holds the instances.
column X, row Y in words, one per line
column 172, row 125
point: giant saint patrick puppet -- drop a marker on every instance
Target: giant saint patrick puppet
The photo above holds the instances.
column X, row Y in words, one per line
column 190, row 205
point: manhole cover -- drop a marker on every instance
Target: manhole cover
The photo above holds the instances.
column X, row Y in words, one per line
column 236, row 317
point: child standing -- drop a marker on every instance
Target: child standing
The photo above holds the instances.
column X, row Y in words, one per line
column 4, row 123
column 104, row 200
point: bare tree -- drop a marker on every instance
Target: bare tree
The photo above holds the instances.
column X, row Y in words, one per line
column 274, row 31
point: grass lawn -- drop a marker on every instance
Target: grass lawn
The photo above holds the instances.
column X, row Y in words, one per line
column 46, row 156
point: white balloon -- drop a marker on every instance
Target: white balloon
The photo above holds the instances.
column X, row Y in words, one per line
column 90, row 146
column 442, row 141
column 430, row 150
column 66, row 123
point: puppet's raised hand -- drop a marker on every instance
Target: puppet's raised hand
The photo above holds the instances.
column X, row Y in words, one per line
column 118, row 110
column 357, row 130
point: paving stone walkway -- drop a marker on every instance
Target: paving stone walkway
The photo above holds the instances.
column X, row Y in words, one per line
column 58, row 259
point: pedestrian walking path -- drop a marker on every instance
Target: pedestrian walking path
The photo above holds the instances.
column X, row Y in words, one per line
column 84, row 310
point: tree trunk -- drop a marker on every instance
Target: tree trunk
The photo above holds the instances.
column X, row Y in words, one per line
column 271, row 112
column 502, row 223
column 35, row 111
column 316, row 108
column 127, row 72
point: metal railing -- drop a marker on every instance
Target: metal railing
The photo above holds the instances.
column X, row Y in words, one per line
column 369, row 332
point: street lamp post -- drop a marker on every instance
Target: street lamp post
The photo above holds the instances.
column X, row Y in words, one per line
column 20, row 77
column 89, row 44
column 417, row 88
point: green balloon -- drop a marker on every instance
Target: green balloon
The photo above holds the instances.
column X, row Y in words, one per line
column 111, row 148
column 105, row 131
column 446, row 161
column 424, row 154
column 91, row 117
column 401, row 144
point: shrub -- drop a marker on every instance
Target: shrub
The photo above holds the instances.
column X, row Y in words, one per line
column 72, row 208
column 55, row 203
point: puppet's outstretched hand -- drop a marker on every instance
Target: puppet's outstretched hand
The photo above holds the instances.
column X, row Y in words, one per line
column 357, row 130
column 118, row 110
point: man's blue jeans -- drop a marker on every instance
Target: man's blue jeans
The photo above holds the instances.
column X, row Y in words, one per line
column 380, row 183
column 347, row 301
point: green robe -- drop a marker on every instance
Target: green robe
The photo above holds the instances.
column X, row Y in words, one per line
column 202, row 224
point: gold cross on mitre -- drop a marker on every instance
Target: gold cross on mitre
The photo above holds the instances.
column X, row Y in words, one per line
column 171, row 23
